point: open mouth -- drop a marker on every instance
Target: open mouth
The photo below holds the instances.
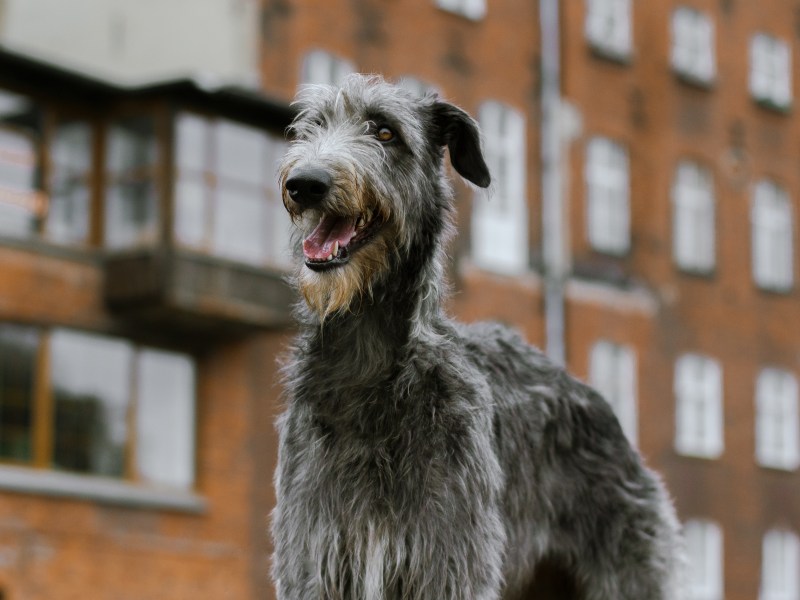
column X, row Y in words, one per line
column 335, row 238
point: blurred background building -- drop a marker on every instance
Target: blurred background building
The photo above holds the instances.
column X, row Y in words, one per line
column 641, row 229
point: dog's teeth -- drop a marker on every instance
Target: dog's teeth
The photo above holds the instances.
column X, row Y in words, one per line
column 360, row 222
column 335, row 250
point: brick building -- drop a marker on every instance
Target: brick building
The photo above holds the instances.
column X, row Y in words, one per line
column 659, row 263
column 139, row 326
column 641, row 229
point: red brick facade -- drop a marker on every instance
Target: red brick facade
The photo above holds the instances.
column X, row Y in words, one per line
column 641, row 299
column 52, row 546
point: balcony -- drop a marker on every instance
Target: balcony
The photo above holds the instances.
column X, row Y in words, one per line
column 195, row 292
column 171, row 186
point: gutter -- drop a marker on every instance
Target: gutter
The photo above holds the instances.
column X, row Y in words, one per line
column 553, row 206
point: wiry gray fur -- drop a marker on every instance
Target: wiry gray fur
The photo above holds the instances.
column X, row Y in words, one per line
column 423, row 459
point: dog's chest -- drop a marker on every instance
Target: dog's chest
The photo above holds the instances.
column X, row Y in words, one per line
column 370, row 498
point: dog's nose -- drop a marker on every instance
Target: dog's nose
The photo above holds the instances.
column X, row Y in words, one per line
column 308, row 187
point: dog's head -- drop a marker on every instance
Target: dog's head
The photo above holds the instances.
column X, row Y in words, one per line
column 363, row 182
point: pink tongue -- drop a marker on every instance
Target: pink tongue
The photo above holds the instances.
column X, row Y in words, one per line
column 331, row 229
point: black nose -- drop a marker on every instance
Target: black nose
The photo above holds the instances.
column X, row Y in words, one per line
column 307, row 186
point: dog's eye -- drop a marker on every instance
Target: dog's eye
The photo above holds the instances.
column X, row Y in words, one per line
column 384, row 134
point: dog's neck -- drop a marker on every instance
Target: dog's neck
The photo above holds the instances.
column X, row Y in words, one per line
column 366, row 343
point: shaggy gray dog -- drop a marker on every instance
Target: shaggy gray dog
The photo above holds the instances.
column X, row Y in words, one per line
column 423, row 459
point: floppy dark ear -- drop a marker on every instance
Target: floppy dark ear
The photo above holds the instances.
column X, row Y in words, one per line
column 459, row 132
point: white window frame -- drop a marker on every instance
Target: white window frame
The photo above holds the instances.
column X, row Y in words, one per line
column 770, row 70
column 780, row 566
column 417, row 86
column 323, row 68
column 192, row 132
column 772, row 237
column 777, row 425
column 698, row 407
column 693, row 218
column 471, row 9
column 608, row 205
column 609, row 27
column 693, row 55
column 612, row 372
column 500, row 218
column 704, row 564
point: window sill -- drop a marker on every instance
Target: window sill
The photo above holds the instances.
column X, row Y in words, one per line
column 773, row 106
column 76, row 252
column 476, row 17
column 707, row 273
column 775, row 290
column 699, row 454
column 98, row 489
column 623, row 58
column 695, row 80
column 778, row 467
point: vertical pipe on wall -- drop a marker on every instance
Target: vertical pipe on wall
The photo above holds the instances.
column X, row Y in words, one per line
column 553, row 247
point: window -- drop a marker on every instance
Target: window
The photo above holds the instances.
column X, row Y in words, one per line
column 417, row 87
column 608, row 196
column 70, row 182
column 22, row 202
column 770, row 70
column 131, row 198
column 704, row 560
column 472, row 9
column 608, row 27
column 780, row 566
column 777, row 431
column 500, row 222
column 693, row 45
column 324, row 68
column 612, row 371
column 226, row 202
column 698, row 391
column 19, row 350
column 693, row 218
column 772, row 237
column 96, row 405
column 56, row 206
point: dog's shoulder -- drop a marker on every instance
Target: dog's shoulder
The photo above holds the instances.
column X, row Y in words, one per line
column 525, row 382
column 501, row 352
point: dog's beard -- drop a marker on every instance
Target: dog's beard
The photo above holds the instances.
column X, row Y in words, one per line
column 344, row 288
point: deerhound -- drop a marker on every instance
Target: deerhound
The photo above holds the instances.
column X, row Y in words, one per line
column 420, row 458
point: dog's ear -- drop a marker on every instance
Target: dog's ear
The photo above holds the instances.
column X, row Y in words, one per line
column 459, row 132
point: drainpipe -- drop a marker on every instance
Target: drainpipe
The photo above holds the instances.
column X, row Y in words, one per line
column 553, row 210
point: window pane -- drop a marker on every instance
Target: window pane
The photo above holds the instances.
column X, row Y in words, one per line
column 704, row 560
column 772, row 237
column 191, row 210
column 608, row 26
column 91, row 382
column 21, row 201
column 165, row 418
column 131, row 214
column 240, row 153
column 777, row 419
column 71, row 155
column 698, row 390
column 18, row 350
column 280, row 226
column 324, row 68
column 240, row 224
column 192, row 142
column 132, row 210
column 500, row 221
column 607, row 182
